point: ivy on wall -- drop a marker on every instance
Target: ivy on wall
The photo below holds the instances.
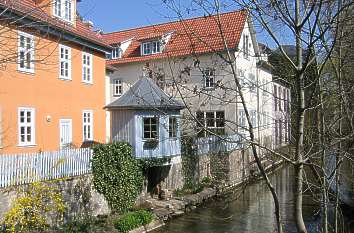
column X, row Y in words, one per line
column 190, row 161
column 117, row 175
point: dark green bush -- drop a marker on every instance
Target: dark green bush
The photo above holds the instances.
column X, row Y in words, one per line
column 132, row 220
column 206, row 181
column 117, row 175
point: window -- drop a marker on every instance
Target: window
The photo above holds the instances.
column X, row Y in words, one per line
column 172, row 127
column 87, row 68
column 245, row 46
column 25, row 52
column 63, row 9
column 150, row 127
column 87, row 125
column 210, row 122
column 116, row 53
column 252, row 82
column 209, row 78
column 26, row 126
column 254, row 118
column 151, row 47
column 117, row 87
column 65, row 62
column 242, row 118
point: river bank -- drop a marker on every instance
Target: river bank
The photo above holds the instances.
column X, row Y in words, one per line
column 250, row 210
column 167, row 210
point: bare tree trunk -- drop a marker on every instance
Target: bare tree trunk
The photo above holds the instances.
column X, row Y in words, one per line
column 299, row 167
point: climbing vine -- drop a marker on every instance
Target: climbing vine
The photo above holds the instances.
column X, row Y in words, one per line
column 117, row 175
column 190, row 160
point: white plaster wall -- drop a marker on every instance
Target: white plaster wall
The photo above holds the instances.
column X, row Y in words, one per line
column 217, row 99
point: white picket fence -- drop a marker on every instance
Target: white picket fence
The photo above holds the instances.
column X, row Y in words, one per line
column 17, row 169
column 215, row 144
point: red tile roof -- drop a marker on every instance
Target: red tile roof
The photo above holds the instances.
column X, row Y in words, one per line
column 30, row 9
column 197, row 35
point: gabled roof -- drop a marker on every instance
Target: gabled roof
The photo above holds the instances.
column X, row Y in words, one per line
column 35, row 17
column 196, row 35
column 145, row 94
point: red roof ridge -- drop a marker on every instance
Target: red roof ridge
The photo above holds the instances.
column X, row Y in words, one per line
column 171, row 22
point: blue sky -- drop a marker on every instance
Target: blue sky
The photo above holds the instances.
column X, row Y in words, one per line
column 113, row 15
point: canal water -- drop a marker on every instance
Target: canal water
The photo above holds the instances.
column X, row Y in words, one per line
column 249, row 210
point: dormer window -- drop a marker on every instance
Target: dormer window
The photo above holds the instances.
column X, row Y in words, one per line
column 151, row 47
column 64, row 9
column 116, row 53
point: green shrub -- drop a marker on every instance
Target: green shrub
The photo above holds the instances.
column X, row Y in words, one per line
column 206, row 181
column 30, row 210
column 132, row 220
column 117, row 175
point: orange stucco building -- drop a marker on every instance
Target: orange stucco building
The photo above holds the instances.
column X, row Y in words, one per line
column 52, row 84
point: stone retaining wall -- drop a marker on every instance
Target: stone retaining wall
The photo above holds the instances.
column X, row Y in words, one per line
column 78, row 193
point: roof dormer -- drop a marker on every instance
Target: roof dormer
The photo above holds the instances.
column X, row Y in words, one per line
column 155, row 43
column 64, row 10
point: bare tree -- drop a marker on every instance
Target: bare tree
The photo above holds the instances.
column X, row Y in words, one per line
column 311, row 27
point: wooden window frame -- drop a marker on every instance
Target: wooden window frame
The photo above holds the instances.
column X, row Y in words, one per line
column 117, row 87
column 26, row 125
column 87, row 67
column 28, row 50
column 150, row 130
column 87, row 125
column 64, row 59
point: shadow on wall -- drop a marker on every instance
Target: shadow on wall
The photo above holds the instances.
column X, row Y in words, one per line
column 156, row 176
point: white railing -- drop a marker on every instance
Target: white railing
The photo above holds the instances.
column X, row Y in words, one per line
column 17, row 169
column 215, row 144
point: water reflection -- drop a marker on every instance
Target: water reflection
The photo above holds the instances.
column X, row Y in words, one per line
column 251, row 210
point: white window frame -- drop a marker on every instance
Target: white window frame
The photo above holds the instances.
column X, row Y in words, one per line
column 64, row 10
column 26, row 51
column 25, row 124
column 116, row 53
column 242, row 118
column 209, row 78
column 253, row 116
column 151, row 47
column 117, row 87
column 87, row 67
column 87, row 126
column 173, row 129
column 64, row 60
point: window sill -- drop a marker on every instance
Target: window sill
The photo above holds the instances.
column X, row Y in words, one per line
column 87, row 83
column 117, row 95
column 209, row 88
column 65, row 79
column 64, row 20
column 28, row 72
column 29, row 145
